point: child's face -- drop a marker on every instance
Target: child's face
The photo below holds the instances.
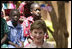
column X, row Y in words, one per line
column 36, row 11
column 38, row 35
column 15, row 17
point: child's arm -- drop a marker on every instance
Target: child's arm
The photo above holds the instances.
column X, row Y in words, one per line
column 22, row 44
column 13, row 44
column 22, row 38
column 4, row 38
column 5, row 31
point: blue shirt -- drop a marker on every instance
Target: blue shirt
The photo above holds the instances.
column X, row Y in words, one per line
column 15, row 33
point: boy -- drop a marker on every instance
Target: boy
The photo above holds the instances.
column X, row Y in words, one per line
column 15, row 36
column 38, row 30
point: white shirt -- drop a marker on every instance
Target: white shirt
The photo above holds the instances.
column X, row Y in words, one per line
column 45, row 45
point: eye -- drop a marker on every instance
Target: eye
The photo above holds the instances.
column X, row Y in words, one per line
column 35, row 32
column 40, row 32
column 37, row 9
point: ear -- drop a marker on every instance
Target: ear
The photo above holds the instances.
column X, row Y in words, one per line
column 31, row 12
column 30, row 33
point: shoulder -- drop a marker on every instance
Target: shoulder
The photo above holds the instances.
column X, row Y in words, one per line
column 48, row 45
column 30, row 18
column 51, row 45
column 31, row 45
column 3, row 20
column 9, row 22
column 28, row 46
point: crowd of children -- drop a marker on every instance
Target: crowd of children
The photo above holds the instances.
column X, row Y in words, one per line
column 25, row 25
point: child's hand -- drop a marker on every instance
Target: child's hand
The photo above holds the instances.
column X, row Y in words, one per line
column 29, row 40
column 21, row 43
column 17, row 46
column 21, row 19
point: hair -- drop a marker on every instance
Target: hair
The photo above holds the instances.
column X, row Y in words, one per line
column 32, row 6
column 27, row 8
column 39, row 24
column 1, row 6
column 13, row 13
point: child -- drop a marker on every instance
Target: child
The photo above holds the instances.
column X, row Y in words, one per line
column 15, row 36
column 38, row 30
column 36, row 14
column 4, row 32
column 35, row 11
column 26, row 19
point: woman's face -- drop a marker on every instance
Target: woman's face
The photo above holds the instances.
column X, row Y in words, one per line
column 38, row 35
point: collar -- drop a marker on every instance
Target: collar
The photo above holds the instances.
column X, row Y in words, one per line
column 42, row 46
column 9, row 23
column 30, row 18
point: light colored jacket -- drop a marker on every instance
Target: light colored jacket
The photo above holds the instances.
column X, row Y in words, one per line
column 45, row 45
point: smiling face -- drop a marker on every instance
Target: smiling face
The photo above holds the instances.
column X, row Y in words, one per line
column 38, row 35
column 15, row 15
column 36, row 10
column 38, row 30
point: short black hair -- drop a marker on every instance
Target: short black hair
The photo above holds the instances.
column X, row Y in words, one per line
column 27, row 8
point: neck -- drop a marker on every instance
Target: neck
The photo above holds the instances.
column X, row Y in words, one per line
column 14, row 23
column 36, row 18
column 39, row 43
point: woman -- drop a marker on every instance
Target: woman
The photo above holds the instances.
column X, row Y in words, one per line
column 38, row 30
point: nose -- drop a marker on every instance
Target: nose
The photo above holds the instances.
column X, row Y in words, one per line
column 38, row 11
column 37, row 34
column 15, row 16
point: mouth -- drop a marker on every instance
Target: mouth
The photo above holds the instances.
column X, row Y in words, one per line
column 38, row 15
column 16, row 19
column 38, row 38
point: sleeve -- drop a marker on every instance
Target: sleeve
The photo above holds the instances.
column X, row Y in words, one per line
column 22, row 35
column 6, row 30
